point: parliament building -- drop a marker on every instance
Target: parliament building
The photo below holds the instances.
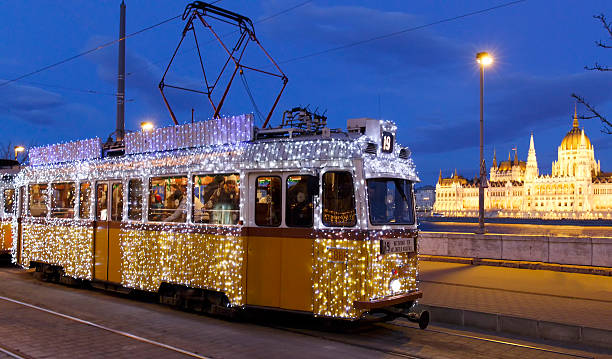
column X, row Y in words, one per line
column 576, row 188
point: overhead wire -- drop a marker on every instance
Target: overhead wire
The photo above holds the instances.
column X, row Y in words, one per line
column 294, row 59
column 399, row 32
column 99, row 47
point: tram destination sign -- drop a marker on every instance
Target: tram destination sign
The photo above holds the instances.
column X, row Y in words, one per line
column 396, row 245
column 387, row 142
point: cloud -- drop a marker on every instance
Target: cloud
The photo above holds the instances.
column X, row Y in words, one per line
column 30, row 104
column 332, row 26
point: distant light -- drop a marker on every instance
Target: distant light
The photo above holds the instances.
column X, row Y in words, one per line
column 17, row 150
column 147, row 126
column 484, row 58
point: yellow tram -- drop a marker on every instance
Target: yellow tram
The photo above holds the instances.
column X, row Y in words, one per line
column 8, row 169
column 222, row 215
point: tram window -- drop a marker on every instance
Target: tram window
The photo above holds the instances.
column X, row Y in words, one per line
column 62, row 200
column 38, row 200
column 338, row 200
column 216, row 199
column 102, row 201
column 390, row 201
column 117, row 201
column 268, row 201
column 135, row 200
column 300, row 191
column 168, row 199
column 85, row 200
column 9, row 201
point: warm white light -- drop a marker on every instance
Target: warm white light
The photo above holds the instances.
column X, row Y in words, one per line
column 147, row 126
column 219, row 145
column 484, row 59
column 19, row 149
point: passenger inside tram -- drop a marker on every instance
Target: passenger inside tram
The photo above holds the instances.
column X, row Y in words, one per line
column 216, row 199
column 300, row 192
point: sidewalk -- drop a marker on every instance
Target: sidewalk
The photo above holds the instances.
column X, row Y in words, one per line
column 545, row 304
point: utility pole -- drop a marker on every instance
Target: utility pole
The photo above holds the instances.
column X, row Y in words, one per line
column 120, row 132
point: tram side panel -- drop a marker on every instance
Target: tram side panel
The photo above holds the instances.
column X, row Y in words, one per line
column 198, row 257
column 58, row 242
column 7, row 236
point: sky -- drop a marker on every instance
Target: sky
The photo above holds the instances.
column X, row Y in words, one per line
column 426, row 80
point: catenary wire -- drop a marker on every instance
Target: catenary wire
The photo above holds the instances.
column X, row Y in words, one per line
column 395, row 33
column 99, row 47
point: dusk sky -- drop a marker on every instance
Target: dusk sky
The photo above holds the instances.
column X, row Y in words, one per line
column 425, row 80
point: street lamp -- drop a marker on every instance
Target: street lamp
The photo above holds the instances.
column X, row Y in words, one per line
column 17, row 150
column 147, row 126
column 483, row 59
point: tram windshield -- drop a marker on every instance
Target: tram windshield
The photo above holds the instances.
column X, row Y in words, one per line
column 390, row 201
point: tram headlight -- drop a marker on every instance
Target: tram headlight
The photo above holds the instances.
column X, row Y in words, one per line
column 395, row 285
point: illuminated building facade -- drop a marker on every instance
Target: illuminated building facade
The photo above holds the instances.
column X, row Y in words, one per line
column 576, row 187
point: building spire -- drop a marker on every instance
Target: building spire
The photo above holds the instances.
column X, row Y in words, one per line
column 494, row 159
column 440, row 176
column 531, row 171
column 575, row 124
column 455, row 173
column 516, row 162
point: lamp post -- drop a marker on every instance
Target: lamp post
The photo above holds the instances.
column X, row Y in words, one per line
column 483, row 59
column 17, row 150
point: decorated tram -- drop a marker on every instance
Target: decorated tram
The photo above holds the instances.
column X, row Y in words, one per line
column 8, row 169
column 220, row 215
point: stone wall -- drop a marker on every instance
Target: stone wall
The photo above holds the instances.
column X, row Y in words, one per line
column 590, row 251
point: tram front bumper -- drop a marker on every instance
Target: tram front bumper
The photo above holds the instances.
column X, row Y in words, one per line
column 388, row 301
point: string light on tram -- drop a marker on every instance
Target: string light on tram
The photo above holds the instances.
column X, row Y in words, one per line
column 156, row 251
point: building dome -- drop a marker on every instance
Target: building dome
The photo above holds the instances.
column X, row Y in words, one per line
column 571, row 141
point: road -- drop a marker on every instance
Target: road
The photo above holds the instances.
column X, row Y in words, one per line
column 507, row 228
column 55, row 321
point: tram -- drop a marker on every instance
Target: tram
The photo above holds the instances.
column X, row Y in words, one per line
column 223, row 216
column 8, row 169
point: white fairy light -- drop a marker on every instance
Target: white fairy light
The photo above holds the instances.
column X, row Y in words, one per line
column 211, row 256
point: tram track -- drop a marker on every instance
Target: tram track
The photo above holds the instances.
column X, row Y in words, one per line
column 399, row 354
column 348, row 342
column 98, row 326
column 12, row 353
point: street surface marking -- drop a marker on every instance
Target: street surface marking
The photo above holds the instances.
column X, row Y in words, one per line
column 119, row 332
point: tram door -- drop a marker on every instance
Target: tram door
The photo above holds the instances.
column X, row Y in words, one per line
column 20, row 212
column 109, row 212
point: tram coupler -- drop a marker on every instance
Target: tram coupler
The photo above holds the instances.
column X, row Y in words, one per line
column 421, row 317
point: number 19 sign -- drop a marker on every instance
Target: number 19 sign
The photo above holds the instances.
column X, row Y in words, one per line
column 387, row 142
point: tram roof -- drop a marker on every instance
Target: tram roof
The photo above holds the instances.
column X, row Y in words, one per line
column 201, row 147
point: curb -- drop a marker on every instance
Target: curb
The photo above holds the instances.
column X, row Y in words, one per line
column 532, row 328
column 569, row 268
